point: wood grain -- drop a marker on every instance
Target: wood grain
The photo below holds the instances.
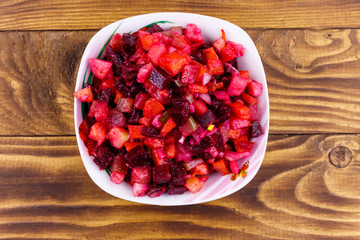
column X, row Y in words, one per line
column 94, row 14
column 312, row 77
column 297, row 194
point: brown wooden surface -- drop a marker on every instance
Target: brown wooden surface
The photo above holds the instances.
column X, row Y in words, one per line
column 310, row 50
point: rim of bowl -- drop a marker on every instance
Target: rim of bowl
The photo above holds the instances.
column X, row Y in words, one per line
column 169, row 201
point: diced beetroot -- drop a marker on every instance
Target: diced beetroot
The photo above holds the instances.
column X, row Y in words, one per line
column 140, row 174
column 193, row 33
column 200, row 108
column 160, row 78
column 84, row 95
column 237, row 84
column 101, row 69
column 135, row 116
column 241, row 111
column 234, row 156
column 114, row 58
column 237, row 123
column 213, row 151
column 98, row 133
column 117, row 177
column 118, row 165
column 144, row 73
column 182, row 43
column 140, row 57
column 255, row 129
column 231, row 51
column 103, row 156
column 194, row 184
column 152, row 107
column 115, row 42
column 135, row 131
column 137, row 157
column 156, row 190
column 234, row 166
column 150, row 131
column 140, row 100
column 91, row 146
column 125, row 105
column 221, row 166
column 139, row 189
column 254, row 88
column 189, row 73
column 201, row 169
column 84, row 129
column 243, row 145
column 175, row 189
column 128, row 45
column 178, row 173
column 117, row 136
column 161, row 174
column 130, row 71
column 115, row 119
column 154, row 143
column 156, row 51
column 222, row 95
column 182, row 153
column 207, row 118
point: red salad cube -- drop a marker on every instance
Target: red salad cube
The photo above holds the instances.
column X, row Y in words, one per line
column 117, row 177
column 147, row 39
column 152, row 108
column 254, row 88
column 234, row 166
column 119, row 165
column 156, row 51
column 141, row 175
column 84, row 95
column 194, row 184
column 98, row 133
column 201, row 169
column 135, row 131
column 221, row 166
column 237, row 123
column 118, row 136
column 140, row 100
column 189, row 74
column 248, row 99
column 154, row 143
column 101, row 68
column 161, row 174
column 168, row 126
column 115, row 42
column 237, row 84
column 144, row 73
column 139, row 189
column 241, row 111
column 99, row 110
column 193, row 33
column 131, row 145
column 174, row 62
column 125, row 105
column 200, row 108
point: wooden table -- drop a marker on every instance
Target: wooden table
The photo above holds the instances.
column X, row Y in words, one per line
column 310, row 50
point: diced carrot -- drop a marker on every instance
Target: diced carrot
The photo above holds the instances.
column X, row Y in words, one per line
column 131, row 145
column 168, row 126
column 197, row 88
column 135, row 131
column 221, row 166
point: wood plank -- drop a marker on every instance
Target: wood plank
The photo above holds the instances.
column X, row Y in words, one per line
column 311, row 91
column 74, row 15
column 297, row 194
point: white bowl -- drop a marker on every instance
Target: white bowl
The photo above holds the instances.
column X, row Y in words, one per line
column 217, row 186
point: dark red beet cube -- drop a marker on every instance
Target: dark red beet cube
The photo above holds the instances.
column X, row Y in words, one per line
column 114, row 58
column 161, row 174
column 176, row 190
column 255, row 129
column 150, row 131
column 119, row 165
column 115, row 119
column 156, row 190
column 140, row 100
column 178, row 173
column 137, row 156
column 160, row 78
column 104, row 156
column 206, row 119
